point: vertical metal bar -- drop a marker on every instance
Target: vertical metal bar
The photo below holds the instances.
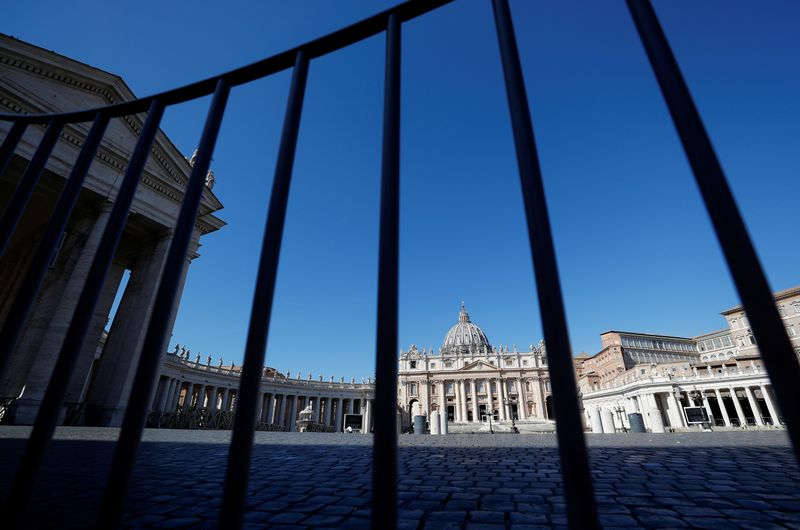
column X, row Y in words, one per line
column 384, row 449
column 748, row 275
column 28, row 182
column 153, row 348
column 10, row 143
column 17, row 501
column 20, row 310
column 576, row 473
column 237, row 473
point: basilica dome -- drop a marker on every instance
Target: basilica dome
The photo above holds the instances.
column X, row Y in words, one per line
column 465, row 337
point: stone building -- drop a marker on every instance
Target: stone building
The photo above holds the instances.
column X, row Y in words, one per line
column 470, row 381
column 656, row 376
column 34, row 80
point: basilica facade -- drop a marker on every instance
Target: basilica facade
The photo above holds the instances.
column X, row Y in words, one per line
column 469, row 381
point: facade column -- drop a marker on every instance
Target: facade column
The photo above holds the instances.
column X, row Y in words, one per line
column 773, row 412
column 349, row 409
column 724, row 412
column 463, row 391
column 489, row 397
column 501, row 398
column 476, row 416
column 442, row 398
column 458, row 390
column 282, row 414
column 521, row 405
column 754, row 406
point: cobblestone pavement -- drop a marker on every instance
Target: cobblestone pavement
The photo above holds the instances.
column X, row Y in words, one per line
column 701, row 480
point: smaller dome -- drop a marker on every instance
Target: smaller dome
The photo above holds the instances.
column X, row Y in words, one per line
column 465, row 337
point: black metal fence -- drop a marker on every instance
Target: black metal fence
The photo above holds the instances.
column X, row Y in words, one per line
column 741, row 258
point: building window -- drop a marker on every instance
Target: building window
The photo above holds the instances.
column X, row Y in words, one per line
column 751, row 339
column 782, row 310
column 433, row 389
column 413, row 364
column 449, row 388
column 790, row 331
column 796, row 307
column 524, row 363
column 413, row 387
column 448, row 364
column 433, row 365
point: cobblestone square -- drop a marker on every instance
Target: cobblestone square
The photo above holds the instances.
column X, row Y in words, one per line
column 318, row 480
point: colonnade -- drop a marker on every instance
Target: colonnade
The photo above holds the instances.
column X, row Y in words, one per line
column 276, row 406
column 735, row 404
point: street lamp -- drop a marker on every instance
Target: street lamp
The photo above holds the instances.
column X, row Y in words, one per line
column 508, row 402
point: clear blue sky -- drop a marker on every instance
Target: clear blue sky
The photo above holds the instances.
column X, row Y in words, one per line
column 634, row 244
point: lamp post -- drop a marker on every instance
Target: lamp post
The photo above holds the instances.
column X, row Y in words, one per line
column 508, row 402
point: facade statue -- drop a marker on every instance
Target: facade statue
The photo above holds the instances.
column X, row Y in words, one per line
column 177, row 346
column 197, row 358
column 193, row 159
column 208, row 360
column 210, row 180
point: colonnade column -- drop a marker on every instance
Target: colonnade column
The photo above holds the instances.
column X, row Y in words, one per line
column 706, row 405
column 162, row 397
column 32, row 362
column 773, row 412
column 367, row 416
column 327, row 417
column 282, row 414
column 224, row 401
column 271, row 408
column 476, row 416
column 738, row 407
column 108, row 397
column 337, row 422
column 187, row 400
column 317, row 405
column 722, row 410
column 176, row 394
column 167, row 407
column 675, row 406
column 754, row 405
column 293, row 415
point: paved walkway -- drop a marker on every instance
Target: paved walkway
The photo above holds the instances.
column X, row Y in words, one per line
column 701, row 480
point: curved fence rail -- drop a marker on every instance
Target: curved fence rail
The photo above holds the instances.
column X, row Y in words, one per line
column 745, row 268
